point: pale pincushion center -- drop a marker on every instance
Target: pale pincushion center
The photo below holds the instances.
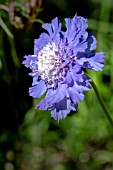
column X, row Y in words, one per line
column 48, row 62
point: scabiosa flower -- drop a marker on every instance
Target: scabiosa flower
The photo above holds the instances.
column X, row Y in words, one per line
column 57, row 65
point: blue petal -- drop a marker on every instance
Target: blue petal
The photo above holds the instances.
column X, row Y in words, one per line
column 82, row 84
column 91, row 61
column 92, row 42
column 76, row 29
column 30, row 62
column 62, row 108
column 35, row 80
column 88, row 45
column 69, row 80
column 75, row 96
column 97, row 61
column 41, row 42
column 77, row 73
column 81, row 47
column 38, row 90
column 48, row 28
column 54, row 28
column 57, row 115
column 52, row 97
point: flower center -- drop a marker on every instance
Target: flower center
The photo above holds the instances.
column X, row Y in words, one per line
column 50, row 64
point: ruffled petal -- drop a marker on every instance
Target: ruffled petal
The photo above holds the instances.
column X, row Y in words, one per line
column 62, row 108
column 52, row 97
column 86, row 46
column 35, row 80
column 77, row 73
column 41, row 42
column 75, row 95
column 92, row 42
column 76, row 30
column 69, row 80
column 54, row 28
column 38, row 90
column 93, row 61
column 30, row 61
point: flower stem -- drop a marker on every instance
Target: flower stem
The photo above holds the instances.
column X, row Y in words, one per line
column 102, row 102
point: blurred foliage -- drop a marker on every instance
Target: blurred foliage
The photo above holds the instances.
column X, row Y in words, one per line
column 22, row 14
column 30, row 139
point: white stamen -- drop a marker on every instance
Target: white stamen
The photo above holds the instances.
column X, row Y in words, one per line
column 48, row 62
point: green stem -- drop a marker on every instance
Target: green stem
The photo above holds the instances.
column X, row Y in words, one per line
column 102, row 103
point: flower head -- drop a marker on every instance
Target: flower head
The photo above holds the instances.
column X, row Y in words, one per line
column 57, row 65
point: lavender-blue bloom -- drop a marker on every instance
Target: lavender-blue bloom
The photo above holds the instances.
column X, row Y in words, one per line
column 57, row 65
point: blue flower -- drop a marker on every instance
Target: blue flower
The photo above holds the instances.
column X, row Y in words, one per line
column 57, row 65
